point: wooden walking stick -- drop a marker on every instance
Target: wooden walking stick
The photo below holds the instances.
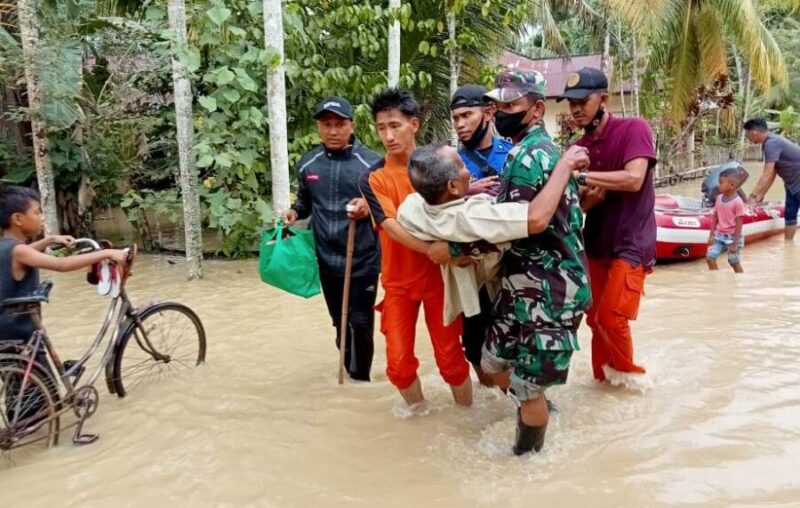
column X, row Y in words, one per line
column 348, row 268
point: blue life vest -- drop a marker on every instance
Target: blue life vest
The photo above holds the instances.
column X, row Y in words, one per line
column 481, row 166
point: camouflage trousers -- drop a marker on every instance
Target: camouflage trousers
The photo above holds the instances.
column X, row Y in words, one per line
column 537, row 357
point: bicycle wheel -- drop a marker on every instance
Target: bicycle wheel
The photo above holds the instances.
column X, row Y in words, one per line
column 168, row 338
column 29, row 409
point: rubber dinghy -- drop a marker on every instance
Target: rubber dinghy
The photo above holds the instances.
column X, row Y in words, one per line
column 684, row 224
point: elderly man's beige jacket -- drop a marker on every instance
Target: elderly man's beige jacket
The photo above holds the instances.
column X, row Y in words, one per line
column 466, row 220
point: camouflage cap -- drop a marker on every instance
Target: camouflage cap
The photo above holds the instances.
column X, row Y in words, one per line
column 511, row 84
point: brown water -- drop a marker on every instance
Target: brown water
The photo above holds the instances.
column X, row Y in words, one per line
column 265, row 424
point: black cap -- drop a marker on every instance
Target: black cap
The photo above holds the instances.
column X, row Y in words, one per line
column 469, row 96
column 583, row 83
column 335, row 105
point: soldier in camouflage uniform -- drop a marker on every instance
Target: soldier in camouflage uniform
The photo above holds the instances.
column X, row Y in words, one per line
column 545, row 284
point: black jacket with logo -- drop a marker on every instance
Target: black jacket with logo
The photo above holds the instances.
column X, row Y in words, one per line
column 327, row 181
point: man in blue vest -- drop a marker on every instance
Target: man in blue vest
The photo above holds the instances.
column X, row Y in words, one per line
column 484, row 155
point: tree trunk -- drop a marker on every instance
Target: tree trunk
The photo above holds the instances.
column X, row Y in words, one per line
column 76, row 203
column 738, row 63
column 455, row 64
column 690, row 148
column 635, row 74
column 605, row 59
column 276, row 106
column 741, row 90
column 748, row 92
column 9, row 100
column 620, row 72
column 394, row 46
column 192, row 223
column 542, row 45
column 29, row 33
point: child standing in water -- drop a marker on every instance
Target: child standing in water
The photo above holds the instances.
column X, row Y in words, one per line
column 726, row 226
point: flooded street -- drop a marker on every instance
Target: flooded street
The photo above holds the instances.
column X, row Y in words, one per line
column 264, row 422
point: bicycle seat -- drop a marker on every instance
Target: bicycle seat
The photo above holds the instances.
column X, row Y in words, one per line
column 40, row 295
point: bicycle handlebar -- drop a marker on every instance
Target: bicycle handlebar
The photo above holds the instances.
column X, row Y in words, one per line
column 91, row 243
column 94, row 245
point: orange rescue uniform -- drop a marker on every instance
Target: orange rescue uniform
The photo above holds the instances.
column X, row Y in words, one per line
column 409, row 280
column 617, row 287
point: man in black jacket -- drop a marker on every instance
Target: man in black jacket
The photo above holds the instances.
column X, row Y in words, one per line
column 328, row 192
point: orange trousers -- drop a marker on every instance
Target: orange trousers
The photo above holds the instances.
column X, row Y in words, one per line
column 616, row 292
column 399, row 312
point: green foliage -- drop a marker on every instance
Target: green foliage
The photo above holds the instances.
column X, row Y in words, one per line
column 66, row 158
column 231, row 144
column 561, row 27
column 784, row 24
column 108, row 85
column 95, row 77
column 59, row 69
column 165, row 204
column 141, row 206
column 108, row 89
column 690, row 41
column 787, row 122
column 13, row 170
column 340, row 48
column 332, row 48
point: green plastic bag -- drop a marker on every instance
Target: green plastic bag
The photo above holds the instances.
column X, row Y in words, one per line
column 288, row 260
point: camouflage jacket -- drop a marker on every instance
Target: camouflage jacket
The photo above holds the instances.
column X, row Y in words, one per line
column 545, row 282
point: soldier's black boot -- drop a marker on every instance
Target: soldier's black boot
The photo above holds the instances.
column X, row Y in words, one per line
column 528, row 437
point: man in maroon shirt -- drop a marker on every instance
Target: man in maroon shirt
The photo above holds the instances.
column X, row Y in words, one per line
column 620, row 229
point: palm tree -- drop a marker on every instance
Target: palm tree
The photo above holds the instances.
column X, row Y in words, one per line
column 542, row 14
column 784, row 23
column 276, row 105
column 481, row 35
column 468, row 63
column 688, row 43
column 545, row 18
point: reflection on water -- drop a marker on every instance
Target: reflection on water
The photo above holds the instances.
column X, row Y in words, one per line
column 264, row 423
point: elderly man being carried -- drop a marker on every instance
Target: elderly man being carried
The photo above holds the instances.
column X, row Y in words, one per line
column 442, row 210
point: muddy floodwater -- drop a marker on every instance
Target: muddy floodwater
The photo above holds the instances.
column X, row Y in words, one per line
column 264, row 422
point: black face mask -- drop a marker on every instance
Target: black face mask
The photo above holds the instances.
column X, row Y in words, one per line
column 477, row 136
column 510, row 125
column 598, row 117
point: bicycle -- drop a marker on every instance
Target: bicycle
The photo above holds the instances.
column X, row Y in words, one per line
column 33, row 402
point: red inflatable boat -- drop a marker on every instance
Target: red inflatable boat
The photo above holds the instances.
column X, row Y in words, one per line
column 683, row 226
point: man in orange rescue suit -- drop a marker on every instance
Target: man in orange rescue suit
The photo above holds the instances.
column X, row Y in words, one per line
column 620, row 230
column 409, row 278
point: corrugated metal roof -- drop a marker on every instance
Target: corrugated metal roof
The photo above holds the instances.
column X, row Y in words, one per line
column 555, row 70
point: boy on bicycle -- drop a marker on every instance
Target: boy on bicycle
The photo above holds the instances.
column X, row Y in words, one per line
column 20, row 261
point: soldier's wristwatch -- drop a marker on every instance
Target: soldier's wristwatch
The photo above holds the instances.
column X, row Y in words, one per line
column 582, row 178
